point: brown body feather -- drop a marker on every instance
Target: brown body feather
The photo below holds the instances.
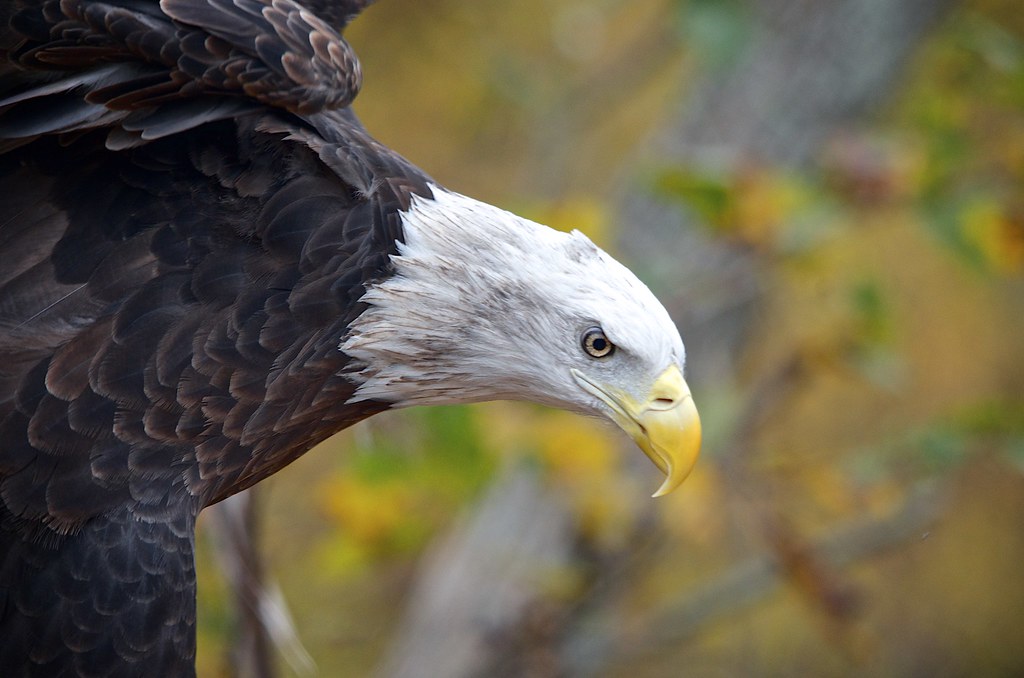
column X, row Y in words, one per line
column 189, row 215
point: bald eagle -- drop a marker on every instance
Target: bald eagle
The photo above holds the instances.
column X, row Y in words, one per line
column 207, row 266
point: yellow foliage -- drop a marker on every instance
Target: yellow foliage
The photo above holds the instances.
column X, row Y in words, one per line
column 997, row 238
column 574, row 448
column 369, row 513
column 507, row 427
column 764, row 202
column 582, row 457
column 338, row 558
column 579, row 212
column 695, row 511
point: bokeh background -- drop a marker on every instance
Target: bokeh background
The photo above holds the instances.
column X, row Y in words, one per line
column 828, row 196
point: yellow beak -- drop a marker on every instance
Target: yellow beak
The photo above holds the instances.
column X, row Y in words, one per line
column 664, row 424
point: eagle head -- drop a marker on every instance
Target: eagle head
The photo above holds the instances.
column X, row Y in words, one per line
column 484, row 305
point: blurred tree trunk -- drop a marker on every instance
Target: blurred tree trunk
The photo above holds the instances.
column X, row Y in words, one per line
column 480, row 577
column 262, row 620
column 807, row 70
column 234, row 532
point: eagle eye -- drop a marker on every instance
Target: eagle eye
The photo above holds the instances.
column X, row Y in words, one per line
column 596, row 344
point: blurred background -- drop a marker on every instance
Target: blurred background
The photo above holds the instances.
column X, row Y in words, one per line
column 828, row 197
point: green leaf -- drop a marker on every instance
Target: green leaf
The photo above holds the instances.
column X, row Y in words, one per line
column 709, row 197
column 716, row 31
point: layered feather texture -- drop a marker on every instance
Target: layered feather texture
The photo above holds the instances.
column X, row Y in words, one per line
column 188, row 221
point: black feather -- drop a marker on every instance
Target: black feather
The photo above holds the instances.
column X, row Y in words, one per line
column 189, row 220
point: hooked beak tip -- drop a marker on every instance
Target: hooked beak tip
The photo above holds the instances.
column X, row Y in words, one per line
column 670, row 436
column 664, row 424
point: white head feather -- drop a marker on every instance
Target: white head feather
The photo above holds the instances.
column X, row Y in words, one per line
column 485, row 305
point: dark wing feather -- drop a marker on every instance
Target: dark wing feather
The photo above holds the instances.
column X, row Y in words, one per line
column 189, row 218
column 153, row 70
